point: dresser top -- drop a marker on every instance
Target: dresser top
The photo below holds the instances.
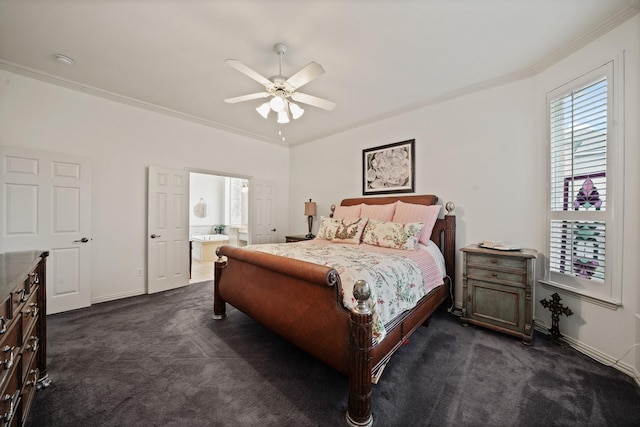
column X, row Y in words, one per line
column 521, row 253
column 14, row 268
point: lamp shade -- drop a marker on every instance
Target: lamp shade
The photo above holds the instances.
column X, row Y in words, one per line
column 310, row 208
column 283, row 117
column 264, row 109
column 296, row 111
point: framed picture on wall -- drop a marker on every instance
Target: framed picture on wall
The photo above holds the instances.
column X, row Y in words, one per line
column 389, row 168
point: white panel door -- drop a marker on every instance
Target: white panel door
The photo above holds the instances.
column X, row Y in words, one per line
column 263, row 201
column 168, row 229
column 46, row 204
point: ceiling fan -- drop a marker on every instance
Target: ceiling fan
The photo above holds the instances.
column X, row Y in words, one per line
column 282, row 90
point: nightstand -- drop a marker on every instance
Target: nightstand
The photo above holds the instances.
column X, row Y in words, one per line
column 497, row 290
column 296, row 238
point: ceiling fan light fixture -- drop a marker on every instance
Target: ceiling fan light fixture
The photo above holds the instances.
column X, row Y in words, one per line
column 278, row 103
column 283, row 117
column 296, row 110
column 264, row 109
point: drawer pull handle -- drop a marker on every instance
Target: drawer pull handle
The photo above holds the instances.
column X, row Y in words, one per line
column 494, row 274
column 35, row 279
column 34, row 381
column 8, row 363
column 33, row 347
column 33, row 311
column 8, row 416
column 3, row 325
column 23, row 295
column 494, row 261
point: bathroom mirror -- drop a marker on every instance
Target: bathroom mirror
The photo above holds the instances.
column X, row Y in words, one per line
column 200, row 209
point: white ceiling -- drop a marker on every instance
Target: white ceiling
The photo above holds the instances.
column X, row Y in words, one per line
column 381, row 57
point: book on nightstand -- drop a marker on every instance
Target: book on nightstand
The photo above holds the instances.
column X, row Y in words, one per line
column 499, row 246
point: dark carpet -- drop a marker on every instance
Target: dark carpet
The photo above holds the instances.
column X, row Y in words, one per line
column 161, row 360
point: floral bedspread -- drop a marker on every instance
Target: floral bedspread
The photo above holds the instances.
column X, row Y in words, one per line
column 396, row 281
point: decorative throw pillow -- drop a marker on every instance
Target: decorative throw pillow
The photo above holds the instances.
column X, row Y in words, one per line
column 392, row 234
column 350, row 230
column 327, row 229
column 406, row 213
column 347, row 211
column 378, row 212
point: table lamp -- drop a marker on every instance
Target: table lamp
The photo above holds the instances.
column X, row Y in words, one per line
column 310, row 212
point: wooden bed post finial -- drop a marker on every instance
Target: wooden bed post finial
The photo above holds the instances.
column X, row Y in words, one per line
column 359, row 364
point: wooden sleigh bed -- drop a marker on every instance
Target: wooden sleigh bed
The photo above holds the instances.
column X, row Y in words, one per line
column 263, row 286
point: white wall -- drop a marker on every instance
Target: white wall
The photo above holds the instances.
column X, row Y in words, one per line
column 486, row 152
column 211, row 189
column 122, row 141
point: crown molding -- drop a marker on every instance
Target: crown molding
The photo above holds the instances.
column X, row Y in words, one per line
column 623, row 14
column 69, row 84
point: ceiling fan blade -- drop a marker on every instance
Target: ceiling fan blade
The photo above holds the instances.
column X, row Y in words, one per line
column 310, row 71
column 249, row 72
column 313, row 100
column 247, row 97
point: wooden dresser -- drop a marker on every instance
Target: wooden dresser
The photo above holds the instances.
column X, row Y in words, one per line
column 497, row 290
column 23, row 332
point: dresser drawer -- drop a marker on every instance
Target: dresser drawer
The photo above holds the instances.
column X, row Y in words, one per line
column 500, row 262
column 5, row 315
column 33, row 279
column 30, row 346
column 30, row 311
column 10, row 401
column 29, row 389
column 9, row 351
column 18, row 297
column 517, row 279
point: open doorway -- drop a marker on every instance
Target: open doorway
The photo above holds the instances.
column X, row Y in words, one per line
column 218, row 215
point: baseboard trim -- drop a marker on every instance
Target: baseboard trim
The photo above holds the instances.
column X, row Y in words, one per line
column 114, row 297
column 598, row 356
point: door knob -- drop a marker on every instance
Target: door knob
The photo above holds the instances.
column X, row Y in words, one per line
column 153, row 236
column 273, row 229
column 83, row 240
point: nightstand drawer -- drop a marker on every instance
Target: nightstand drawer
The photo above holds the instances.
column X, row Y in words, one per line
column 517, row 279
column 493, row 261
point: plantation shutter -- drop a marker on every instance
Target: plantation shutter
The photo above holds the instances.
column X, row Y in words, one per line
column 578, row 196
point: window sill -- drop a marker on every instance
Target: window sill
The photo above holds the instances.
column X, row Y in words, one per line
column 611, row 305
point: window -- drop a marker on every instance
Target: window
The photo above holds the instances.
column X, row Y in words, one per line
column 236, row 209
column 584, row 173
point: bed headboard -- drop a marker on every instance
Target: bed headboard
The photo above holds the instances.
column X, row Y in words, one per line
column 444, row 231
column 427, row 199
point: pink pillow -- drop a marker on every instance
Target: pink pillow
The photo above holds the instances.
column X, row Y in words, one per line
column 347, row 211
column 406, row 213
column 378, row 212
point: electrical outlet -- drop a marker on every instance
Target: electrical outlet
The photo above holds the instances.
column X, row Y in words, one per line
column 139, row 272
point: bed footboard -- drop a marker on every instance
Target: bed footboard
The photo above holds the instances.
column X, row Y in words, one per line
column 257, row 283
